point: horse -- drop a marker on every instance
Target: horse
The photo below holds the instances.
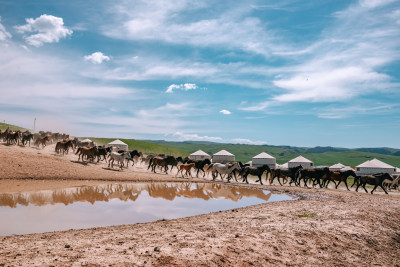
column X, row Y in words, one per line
column 13, row 137
column 89, row 152
column 42, row 141
column 338, row 176
column 103, row 151
column 395, row 183
column 26, row 138
column 315, row 175
column 257, row 171
column 135, row 156
column 185, row 167
column 120, row 157
column 162, row 162
column 277, row 174
column 376, row 179
column 224, row 169
column 64, row 146
column 291, row 173
column 199, row 165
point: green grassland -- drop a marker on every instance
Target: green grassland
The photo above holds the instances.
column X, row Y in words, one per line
column 143, row 146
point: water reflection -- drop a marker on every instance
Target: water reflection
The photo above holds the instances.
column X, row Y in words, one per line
column 116, row 204
column 126, row 192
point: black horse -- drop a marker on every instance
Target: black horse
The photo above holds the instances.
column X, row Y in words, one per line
column 103, row 151
column 375, row 179
column 257, row 171
column 315, row 175
column 199, row 165
column 26, row 138
column 291, row 173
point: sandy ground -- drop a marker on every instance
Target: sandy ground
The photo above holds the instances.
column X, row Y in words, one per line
column 325, row 226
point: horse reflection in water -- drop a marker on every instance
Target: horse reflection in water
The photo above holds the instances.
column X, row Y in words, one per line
column 130, row 192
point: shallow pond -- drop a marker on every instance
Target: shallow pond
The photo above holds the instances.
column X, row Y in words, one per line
column 117, row 204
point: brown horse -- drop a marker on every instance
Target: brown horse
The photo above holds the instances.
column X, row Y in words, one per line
column 89, row 152
column 64, row 146
column 185, row 167
column 42, row 141
column 277, row 174
column 338, row 176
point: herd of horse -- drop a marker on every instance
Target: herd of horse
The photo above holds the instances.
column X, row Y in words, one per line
column 321, row 177
column 11, row 137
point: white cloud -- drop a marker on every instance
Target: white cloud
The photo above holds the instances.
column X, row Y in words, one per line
column 196, row 137
column 169, row 22
column 225, row 112
column 248, row 141
column 49, row 29
column 4, row 34
column 346, row 62
column 97, row 58
column 184, row 87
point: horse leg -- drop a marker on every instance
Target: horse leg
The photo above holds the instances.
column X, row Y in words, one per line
column 338, row 184
column 375, row 188
column 259, row 177
column 383, row 188
column 363, row 185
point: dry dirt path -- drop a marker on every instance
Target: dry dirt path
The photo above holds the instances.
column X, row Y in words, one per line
column 325, row 226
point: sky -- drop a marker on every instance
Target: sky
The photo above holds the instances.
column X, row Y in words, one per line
column 290, row 72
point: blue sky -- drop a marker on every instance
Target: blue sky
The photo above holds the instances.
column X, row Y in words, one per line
column 289, row 72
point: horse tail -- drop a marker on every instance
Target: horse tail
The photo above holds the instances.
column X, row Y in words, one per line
column 77, row 151
column 150, row 163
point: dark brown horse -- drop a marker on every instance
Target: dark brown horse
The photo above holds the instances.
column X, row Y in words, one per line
column 89, row 152
column 64, row 146
column 162, row 162
column 338, row 176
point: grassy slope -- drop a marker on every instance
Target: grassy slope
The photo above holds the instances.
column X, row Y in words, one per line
column 4, row 126
column 143, row 146
column 283, row 154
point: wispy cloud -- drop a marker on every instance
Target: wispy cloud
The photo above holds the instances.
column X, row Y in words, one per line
column 97, row 58
column 346, row 62
column 4, row 34
column 348, row 111
column 196, row 137
column 170, row 23
column 225, row 112
column 184, row 87
column 247, row 141
column 48, row 28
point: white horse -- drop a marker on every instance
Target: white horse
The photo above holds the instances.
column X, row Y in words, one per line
column 120, row 157
column 223, row 169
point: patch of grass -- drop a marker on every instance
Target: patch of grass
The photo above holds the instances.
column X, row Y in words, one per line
column 260, row 218
column 282, row 214
column 306, row 215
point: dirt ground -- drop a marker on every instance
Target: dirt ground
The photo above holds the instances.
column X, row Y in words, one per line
column 324, row 226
